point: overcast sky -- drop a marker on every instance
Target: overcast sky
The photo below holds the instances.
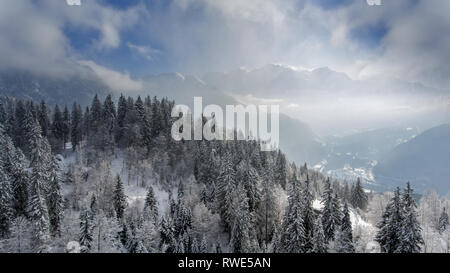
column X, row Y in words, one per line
column 408, row 39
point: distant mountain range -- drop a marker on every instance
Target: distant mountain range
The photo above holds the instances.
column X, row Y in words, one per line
column 296, row 138
column 61, row 90
column 424, row 161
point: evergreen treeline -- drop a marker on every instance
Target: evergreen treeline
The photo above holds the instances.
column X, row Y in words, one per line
column 231, row 183
column 400, row 231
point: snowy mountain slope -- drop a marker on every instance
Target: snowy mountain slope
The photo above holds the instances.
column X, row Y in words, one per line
column 424, row 161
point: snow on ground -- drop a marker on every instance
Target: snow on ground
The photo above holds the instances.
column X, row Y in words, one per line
column 133, row 189
column 317, row 204
column 356, row 220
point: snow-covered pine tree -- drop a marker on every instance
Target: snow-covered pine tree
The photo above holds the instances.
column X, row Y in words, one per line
column 54, row 198
column 167, row 234
column 121, row 122
column 281, row 170
column 410, row 230
column 203, row 245
column 344, row 240
column 359, row 197
column 248, row 176
column 443, row 221
column 151, row 206
column 319, row 243
column 95, row 115
column 85, row 237
column 43, row 119
column 308, row 214
column 76, row 131
column 331, row 214
column 6, row 203
column 389, row 227
column 267, row 210
column 12, row 162
column 37, row 203
column 224, row 193
column 57, row 129
column 294, row 236
column 119, row 198
column 240, row 237
column 66, row 126
column 145, row 126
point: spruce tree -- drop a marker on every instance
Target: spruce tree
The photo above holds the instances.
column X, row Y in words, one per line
column 85, row 237
column 240, row 237
column 308, row 214
column 410, row 230
column 443, row 221
column 150, row 206
column 55, row 199
column 331, row 214
column 294, row 237
column 226, row 186
column 389, row 227
column 57, row 128
column 344, row 240
column 267, row 210
column 359, row 197
column 319, row 243
column 167, row 234
column 66, row 126
column 119, row 199
column 13, row 162
column 6, row 202
column 280, row 170
column 76, row 126
column 44, row 121
column 203, row 245
column 121, row 127
column 37, row 207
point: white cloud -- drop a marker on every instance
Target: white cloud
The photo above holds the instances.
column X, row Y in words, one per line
column 32, row 36
column 146, row 51
column 115, row 80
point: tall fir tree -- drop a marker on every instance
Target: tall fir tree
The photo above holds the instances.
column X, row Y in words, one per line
column 119, row 198
column 389, row 227
column 359, row 197
column 240, row 237
column 66, row 126
column 55, row 199
column 319, row 243
column 6, row 203
column 13, row 163
column 224, row 194
column 57, row 128
column 151, row 206
column 281, row 170
column 307, row 214
column 344, row 240
column 85, row 237
column 331, row 214
column 44, row 121
column 443, row 221
column 76, row 134
column 410, row 230
column 294, row 237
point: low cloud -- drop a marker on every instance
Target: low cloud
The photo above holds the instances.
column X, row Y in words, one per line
column 145, row 51
column 113, row 79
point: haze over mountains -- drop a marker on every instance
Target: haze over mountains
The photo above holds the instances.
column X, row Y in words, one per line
column 343, row 127
column 424, row 160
